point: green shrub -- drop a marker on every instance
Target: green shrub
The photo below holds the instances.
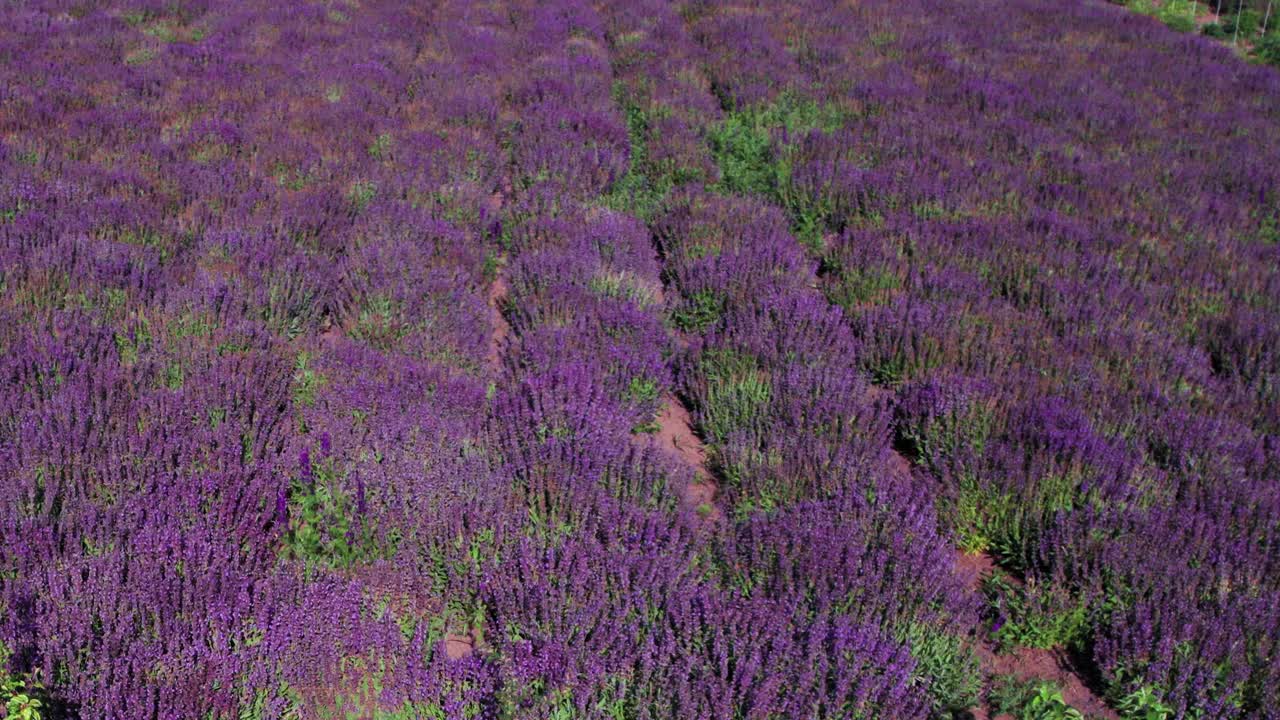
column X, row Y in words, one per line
column 1178, row 16
column 1215, row 30
column 19, row 694
column 1031, row 700
column 1143, row 704
column 1248, row 20
column 855, row 287
column 986, row 519
column 361, row 193
column 736, row 393
column 1145, row 7
column 962, row 431
column 946, row 666
column 1268, row 51
column 698, row 312
column 326, row 527
column 744, row 152
column 1034, row 615
column 751, row 162
column 646, row 184
column 990, row 517
column 380, row 148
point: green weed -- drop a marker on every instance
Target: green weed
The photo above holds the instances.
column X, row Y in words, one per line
column 1143, row 704
column 945, row 665
column 1035, row 615
column 737, row 393
column 19, row 694
column 699, row 312
column 326, row 527
column 1031, row 700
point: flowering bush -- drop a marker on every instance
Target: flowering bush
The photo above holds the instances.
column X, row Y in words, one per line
column 347, row 349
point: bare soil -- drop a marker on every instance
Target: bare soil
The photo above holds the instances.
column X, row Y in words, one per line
column 675, row 435
column 898, row 465
column 459, row 646
column 498, row 289
column 496, row 297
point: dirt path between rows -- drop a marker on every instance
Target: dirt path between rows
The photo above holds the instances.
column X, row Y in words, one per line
column 676, row 436
column 497, row 297
column 1055, row 665
column 498, row 290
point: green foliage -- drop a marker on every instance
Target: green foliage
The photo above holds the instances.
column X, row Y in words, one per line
column 20, row 705
column 1143, row 704
column 162, row 32
column 945, row 665
column 751, row 162
column 1031, row 700
column 855, row 288
column 361, row 193
column 381, row 147
column 642, row 390
column 900, row 361
column 648, row 427
column 325, row 526
column 1247, row 20
column 1035, row 615
column 634, row 194
column 1215, row 30
column 291, row 178
column 1268, row 51
column 132, row 342
column 380, row 322
column 1136, row 700
column 1179, row 16
column 8, row 214
column 737, row 393
column 1144, row 7
column 19, row 695
column 698, row 312
column 939, row 439
column 987, row 517
column 743, row 150
column 306, row 381
column 646, row 184
column 492, row 264
column 140, row 56
column 984, row 519
column 136, row 17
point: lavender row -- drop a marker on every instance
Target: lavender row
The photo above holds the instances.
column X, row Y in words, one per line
column 208, row 352
column 798, row 440
column 1021, row 277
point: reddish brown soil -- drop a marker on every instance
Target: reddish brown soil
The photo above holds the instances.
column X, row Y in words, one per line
column 675, row 435
column 1028, row 663
column 972, row 568
column 501, row 328
column 498, row 289
column 329, row 330
column 328, row 335
column 898, row 465
column 459, row 646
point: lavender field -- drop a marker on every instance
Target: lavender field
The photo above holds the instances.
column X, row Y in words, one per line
column 636, row 359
